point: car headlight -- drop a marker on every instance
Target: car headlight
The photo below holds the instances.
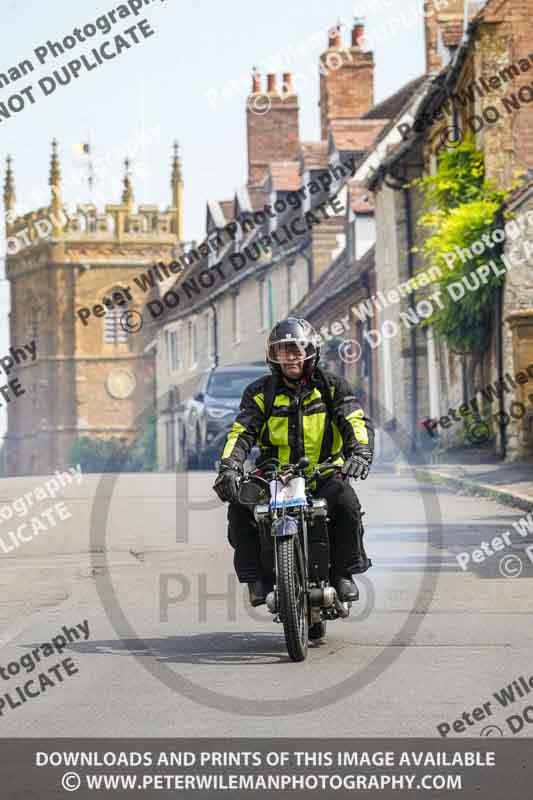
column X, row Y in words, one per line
column 219, row 413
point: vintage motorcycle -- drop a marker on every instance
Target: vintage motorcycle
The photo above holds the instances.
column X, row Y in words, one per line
column 294, row 549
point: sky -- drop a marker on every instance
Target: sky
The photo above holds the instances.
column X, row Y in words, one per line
column 188, row 81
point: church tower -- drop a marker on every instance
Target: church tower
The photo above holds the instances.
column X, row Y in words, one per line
column 91, row 378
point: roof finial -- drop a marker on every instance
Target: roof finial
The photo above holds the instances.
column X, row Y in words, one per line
column 176, row 165
column 9, row 187
column 55, row 177
column 127, row 194
column 55, row 172
column 176, row 184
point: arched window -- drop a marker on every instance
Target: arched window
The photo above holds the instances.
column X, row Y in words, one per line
column 114, row 331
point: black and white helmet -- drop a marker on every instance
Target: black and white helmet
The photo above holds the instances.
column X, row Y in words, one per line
column 293, row 333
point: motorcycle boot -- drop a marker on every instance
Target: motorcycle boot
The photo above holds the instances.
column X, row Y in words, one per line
column 346, row 589
column 257, row 591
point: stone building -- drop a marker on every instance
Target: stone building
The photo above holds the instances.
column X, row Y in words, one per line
column 332, row 303
column 90, row 377
column 481, row 84
column 228, row 324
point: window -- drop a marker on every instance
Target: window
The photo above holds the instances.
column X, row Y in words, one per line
column 210, row 336
column 235, row 318
column 113, row 330
column 174, row 350
column 193, row 343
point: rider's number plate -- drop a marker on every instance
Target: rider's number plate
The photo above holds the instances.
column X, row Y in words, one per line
column 289, row 494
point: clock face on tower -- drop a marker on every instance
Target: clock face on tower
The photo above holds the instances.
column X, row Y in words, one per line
column 120, row 383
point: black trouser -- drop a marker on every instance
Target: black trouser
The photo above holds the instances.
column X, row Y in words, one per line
column 345, row 531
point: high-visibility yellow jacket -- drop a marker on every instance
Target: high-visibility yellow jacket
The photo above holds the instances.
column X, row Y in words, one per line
column 300, row 423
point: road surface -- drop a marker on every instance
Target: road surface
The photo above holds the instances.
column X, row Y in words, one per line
column 173, row 648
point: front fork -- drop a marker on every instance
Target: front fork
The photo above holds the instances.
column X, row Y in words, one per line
column 289, row 527
column 319, row 597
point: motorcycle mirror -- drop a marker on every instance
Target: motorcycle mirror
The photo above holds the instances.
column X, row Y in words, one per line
column 303, row 463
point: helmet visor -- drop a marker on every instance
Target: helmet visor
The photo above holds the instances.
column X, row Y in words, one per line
column 288, row 350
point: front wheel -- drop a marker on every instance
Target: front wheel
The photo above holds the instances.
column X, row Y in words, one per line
column 292, row 598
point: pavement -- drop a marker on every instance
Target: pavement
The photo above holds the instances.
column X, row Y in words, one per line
column 511, row 484
column 174, row 647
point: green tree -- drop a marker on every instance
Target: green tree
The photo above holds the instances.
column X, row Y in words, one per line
column 460, row 207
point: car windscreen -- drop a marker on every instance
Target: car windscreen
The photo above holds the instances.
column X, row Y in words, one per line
column 231, row 384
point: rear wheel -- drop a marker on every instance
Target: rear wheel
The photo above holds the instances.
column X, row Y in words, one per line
column 292, row 598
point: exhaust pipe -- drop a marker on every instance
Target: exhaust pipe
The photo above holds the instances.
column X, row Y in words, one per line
column 271, row 602
column 330, row 598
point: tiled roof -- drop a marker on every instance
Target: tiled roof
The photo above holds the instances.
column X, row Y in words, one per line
column 285, row 176
column 338, row 278
column 314, row 155
column 392, row 105
column 358, row 134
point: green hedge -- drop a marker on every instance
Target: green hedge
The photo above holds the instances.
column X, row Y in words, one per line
column 116, row 455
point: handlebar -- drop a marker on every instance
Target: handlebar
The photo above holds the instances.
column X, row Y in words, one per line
column 287, row 471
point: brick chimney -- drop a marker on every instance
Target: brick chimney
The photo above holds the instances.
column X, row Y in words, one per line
column 346, row 78
column 444, row 23
column 272, row 121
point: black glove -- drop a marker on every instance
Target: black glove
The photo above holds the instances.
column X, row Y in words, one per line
column 357, row 465
column 227, row 484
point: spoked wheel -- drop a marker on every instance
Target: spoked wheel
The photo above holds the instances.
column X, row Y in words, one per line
column 292, row 599
column 317, row 630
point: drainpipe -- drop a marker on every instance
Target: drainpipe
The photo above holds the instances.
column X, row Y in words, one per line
column 270, row 302
column 366, row 285
column 215, row 330
column 399, row 186
column 310, row 270
column 412, row 330
column 499, row 334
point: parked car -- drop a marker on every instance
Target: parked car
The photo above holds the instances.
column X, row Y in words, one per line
column 213, row 452
column 213, row 408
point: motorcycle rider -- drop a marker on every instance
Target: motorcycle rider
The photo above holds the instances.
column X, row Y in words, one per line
column 302, row 420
